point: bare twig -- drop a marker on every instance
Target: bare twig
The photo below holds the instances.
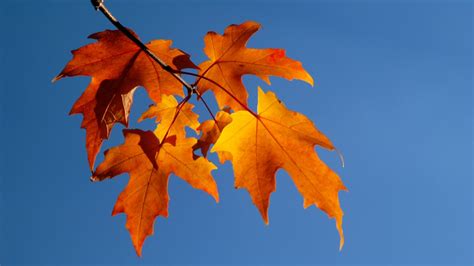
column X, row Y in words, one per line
column 199, row 96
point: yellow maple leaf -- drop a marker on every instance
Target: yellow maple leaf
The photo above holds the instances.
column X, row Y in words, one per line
column 260, row 144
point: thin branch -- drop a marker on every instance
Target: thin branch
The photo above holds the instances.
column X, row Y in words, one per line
column 199, row 97
column 203, row 74
column 99, row 5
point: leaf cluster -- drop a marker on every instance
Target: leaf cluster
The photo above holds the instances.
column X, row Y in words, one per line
column 257, row 143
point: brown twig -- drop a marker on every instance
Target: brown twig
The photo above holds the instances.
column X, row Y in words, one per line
column 199, row 96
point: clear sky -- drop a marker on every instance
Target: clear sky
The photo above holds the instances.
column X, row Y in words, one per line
column 393, row 91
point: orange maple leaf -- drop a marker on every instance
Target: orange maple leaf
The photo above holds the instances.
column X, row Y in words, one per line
column 211, row 130
column 173, row 117
column 229, row 60
column 149, row 163
column 117, row 66
column 279, row 138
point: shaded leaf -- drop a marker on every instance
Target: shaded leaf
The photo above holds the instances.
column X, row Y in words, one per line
column 117, row 66
column 211, row 130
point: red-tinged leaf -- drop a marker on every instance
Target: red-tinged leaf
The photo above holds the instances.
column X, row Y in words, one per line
column 117, row 66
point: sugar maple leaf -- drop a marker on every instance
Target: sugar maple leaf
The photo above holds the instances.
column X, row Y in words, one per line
column 279, row 138
column 230, row 59
column 149, row 163
column 165, row 112
column 117, row 66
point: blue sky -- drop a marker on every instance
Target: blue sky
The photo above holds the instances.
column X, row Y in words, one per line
column 393, row 90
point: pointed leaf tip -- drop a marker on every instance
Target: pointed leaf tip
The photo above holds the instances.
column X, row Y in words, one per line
column 58, row 77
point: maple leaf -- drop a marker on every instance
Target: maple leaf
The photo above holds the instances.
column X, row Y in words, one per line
column 149, row 163
column 117, row 66
column 211, row 130
column 279, row 138
column 230, row 59
column 173, row 117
